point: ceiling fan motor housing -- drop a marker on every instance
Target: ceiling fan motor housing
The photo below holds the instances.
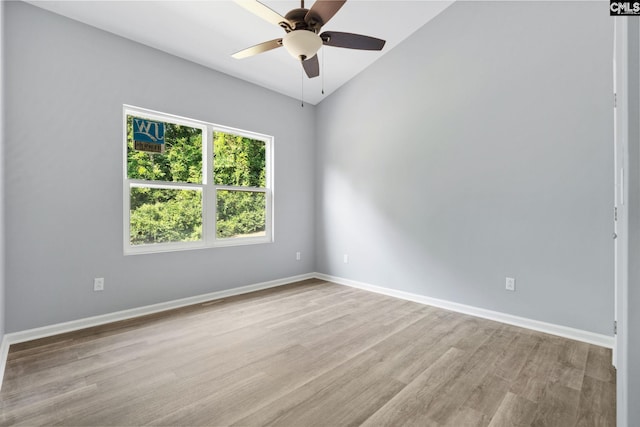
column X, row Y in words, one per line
column 301, row 19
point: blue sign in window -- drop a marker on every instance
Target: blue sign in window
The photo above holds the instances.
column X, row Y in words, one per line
column 148, row 131
column 148, row 135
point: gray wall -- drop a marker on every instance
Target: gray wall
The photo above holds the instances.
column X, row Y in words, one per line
column 2, row 204
column 479, row 148
column 633, row 298
column 63, row 198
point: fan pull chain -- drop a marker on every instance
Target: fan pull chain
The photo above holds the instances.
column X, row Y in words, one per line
column 302, row 89
column 324, row 59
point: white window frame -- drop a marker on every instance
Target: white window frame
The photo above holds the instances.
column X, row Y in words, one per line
column 207, row 187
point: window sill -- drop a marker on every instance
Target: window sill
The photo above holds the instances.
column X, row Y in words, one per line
column 179, row 247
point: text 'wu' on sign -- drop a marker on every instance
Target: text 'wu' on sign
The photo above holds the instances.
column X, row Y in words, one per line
column 148, row 135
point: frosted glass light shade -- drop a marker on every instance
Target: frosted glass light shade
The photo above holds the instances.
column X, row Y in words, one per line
column 302, row 44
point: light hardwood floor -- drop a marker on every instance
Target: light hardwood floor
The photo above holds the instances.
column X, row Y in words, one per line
column 306, row 354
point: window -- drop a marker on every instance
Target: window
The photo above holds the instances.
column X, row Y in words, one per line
column 190, row 184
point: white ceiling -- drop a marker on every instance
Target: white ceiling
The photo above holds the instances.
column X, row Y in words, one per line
column 208, row 32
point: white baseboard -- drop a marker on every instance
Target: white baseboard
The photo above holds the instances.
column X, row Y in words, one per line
column 87, row 322
column 74, row 325
column 536, row 325
column 4, row 352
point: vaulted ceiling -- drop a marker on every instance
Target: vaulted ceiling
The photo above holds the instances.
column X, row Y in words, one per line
column 208, row 32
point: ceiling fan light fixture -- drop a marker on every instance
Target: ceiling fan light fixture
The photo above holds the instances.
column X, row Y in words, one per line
column 302, row 44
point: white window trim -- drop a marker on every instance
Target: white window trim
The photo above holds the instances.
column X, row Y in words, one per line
column 208, row 188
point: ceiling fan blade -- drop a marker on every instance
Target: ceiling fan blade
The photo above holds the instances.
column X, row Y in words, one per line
column 264, row 12
column 351, row 41
column 259, row 48
column 322, row 11
column 311, row 67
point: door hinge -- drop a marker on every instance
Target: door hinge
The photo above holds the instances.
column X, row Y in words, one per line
column 615, row 100
column 615, row 213
column 615, row 327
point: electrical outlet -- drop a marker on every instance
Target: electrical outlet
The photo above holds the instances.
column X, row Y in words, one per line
column 297, row 256
column 98, row 284
column 510, row 284
column 345, row 258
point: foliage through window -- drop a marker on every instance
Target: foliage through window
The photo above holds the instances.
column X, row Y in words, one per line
column 239, row 162
column 183, row 197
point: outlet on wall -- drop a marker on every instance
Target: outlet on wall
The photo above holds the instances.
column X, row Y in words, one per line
column 297, row 256
column 98, row 284
column 510, row 284
column 345, row 258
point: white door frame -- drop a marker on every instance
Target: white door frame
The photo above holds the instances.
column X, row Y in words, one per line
column 621, row 167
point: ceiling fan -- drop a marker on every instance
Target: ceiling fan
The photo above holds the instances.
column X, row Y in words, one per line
column 302, row 39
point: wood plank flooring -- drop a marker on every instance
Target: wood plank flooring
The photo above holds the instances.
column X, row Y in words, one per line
column 308, row 354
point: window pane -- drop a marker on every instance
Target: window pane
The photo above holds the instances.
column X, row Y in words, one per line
column 160, row 215
column 240, row 214
column 180, row 162
column 238, row 161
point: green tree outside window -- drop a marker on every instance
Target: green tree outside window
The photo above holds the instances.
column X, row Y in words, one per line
column 161, row 215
